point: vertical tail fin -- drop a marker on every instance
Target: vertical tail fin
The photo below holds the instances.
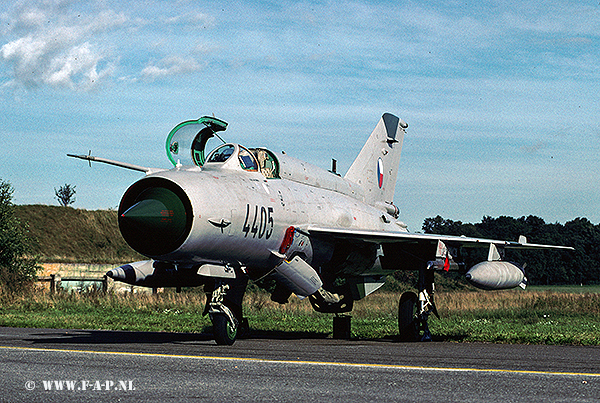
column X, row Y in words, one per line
column 376, row 167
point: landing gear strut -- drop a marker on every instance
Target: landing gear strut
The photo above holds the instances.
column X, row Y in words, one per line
column 225, row 323
column 342, row 327
column 414, row 310
column 225, row 310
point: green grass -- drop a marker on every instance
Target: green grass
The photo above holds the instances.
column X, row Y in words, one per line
column 551, row 329
column 572, row 289
column 65, row 234
column 168, row 312
column 533, row 317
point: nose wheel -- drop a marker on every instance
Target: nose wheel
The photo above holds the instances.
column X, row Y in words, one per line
column 225, row 310
column 225, row 322
column 224, row 330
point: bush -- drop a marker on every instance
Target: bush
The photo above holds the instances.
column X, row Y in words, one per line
column 17, row 269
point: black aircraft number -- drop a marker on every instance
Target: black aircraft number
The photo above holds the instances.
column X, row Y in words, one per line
column 258, row 222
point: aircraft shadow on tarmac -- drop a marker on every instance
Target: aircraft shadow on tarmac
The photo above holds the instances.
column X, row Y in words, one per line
column 135, row 337
column 100, row 337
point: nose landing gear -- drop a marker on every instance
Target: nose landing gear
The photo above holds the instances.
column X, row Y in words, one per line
column 224, row 306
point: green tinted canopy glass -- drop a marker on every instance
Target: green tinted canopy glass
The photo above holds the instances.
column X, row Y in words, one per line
column 186, row 143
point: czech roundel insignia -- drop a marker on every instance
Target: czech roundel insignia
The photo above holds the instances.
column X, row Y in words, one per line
column 380, row 172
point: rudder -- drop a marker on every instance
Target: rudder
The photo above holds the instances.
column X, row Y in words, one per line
column 376, row 167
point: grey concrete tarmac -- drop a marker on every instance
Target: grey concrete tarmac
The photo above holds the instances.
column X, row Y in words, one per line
column 147, row 366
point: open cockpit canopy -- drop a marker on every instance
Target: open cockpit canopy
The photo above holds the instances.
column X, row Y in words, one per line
column 186, row 145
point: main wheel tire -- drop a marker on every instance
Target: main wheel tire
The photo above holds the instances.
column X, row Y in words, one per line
column 223, row 330
column 407, row 325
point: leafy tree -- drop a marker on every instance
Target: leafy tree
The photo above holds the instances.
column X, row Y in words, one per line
column 65, row 194
column 17, row 270
column 439, row 225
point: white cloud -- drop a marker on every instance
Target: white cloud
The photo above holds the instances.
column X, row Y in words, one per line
column 53, row 46
column 77, row 69
column 171, row 66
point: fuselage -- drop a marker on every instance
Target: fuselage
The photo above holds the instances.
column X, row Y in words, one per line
column 239, row 216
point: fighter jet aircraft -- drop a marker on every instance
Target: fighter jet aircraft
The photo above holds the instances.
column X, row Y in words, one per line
column 222, row 217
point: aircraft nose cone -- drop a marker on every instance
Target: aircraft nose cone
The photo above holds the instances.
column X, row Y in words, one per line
column 155, row 220
column 149, row 212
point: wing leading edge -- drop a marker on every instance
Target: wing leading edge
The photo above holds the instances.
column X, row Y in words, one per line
column 383, row 237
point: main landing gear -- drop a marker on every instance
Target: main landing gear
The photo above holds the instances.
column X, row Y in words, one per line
column 225, row 309
column 414, row 310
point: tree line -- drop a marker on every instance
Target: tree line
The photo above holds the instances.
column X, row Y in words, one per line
column 542, row 266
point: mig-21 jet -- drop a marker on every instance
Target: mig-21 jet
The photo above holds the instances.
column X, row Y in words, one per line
column 222, row 217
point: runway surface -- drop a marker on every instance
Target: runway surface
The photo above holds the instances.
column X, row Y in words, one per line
column 58, row 365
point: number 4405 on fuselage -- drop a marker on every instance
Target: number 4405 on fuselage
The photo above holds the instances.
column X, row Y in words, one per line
column 218, row 219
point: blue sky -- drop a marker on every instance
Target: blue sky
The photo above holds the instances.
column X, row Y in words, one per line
column 501, row 98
